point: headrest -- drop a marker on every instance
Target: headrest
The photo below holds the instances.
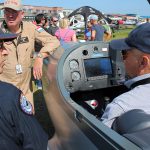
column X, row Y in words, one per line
column 132, row 121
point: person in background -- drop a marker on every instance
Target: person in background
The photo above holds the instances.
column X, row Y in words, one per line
column 107, row 28
column 147, row 19
column 18, row 127
column 136, row 55
column 19, row 62
column 87, row 33
column 46, row 25
column 64, row 33
column 41, row 20
column 53, row 25
column 119, row 23
column 97, row 30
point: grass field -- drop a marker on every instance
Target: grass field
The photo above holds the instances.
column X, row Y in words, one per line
column 123, row 32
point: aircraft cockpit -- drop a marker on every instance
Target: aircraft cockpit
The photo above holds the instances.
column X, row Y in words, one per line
column 93, row 75
column 82, row 80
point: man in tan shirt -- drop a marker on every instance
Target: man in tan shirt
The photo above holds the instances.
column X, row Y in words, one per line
column 17, row 69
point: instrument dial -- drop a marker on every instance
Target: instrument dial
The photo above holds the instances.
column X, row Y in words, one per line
column 76, row 76
column 73, row 64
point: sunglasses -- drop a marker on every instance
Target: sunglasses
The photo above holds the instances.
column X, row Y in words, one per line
column 6, row 42
column 55, row 20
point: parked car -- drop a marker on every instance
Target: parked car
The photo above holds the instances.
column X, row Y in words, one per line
column 130, row 22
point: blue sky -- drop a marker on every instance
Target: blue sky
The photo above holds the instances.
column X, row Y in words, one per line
column 140, row 7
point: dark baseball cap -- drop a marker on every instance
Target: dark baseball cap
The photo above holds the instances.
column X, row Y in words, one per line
column 138, row 38
column 7, row 36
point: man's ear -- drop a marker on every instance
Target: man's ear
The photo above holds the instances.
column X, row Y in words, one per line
column 144, row 62
column 22, row 15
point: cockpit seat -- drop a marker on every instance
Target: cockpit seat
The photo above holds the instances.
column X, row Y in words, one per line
column 132, row 121
column 135, row 126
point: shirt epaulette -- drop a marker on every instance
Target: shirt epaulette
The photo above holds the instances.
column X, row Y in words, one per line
column 39, row 29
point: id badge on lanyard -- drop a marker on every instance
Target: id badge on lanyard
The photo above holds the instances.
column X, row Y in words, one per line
column 18, row 69
column 18, row 66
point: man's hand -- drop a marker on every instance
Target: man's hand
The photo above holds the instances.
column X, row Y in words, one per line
column 37, row 68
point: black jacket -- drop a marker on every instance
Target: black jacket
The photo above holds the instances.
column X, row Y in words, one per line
column 19, row 130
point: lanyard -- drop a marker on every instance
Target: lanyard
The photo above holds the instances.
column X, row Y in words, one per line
column 18, row 40
column 141, row 82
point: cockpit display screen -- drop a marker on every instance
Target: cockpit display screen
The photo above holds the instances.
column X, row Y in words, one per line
column 97, row 67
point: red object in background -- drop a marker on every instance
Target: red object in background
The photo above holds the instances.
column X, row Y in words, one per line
column 120, row 21
column 94, row 103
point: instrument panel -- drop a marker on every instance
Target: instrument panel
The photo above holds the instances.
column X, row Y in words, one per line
column 92, row 66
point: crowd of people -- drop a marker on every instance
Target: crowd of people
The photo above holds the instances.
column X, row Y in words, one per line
column 60, row 27
column 44, row 36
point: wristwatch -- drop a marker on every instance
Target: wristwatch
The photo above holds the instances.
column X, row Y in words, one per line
column 39, row 55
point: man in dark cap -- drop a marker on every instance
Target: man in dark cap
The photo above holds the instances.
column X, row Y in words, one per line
column 136, row 55
column 18, row 128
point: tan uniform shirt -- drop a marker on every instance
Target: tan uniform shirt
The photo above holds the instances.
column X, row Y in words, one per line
column 20, row 53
